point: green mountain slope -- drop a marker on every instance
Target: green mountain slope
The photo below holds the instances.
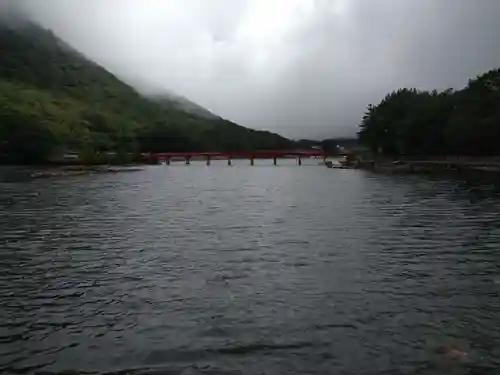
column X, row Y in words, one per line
column 178, row 102
column 54, row 101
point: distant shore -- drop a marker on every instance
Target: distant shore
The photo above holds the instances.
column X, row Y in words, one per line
column 78, row 170
column 453, row 165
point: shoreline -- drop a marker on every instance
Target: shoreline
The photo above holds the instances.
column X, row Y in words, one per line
column 469, row 167
column 79, row 170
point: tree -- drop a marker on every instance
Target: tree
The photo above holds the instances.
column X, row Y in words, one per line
column 412, row 122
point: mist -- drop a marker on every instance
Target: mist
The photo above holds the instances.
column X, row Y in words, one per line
column 302, row 68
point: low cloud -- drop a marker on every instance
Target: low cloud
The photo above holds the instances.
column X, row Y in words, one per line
column 303, row 68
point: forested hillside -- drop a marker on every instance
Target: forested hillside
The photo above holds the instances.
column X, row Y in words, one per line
column 173, row 101
column 54, row 101
column 416, row 123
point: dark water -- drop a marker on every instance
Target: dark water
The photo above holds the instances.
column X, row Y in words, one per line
column 264, row 270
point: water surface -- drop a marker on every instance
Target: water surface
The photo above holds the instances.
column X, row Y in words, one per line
column 241, row 270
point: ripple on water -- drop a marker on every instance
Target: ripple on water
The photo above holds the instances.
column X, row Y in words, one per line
column 249, row 270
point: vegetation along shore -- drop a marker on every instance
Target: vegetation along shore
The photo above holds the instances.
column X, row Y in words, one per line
column 415, row 131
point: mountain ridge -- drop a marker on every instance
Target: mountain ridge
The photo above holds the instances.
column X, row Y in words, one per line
column 54, row 100
column 179, row 102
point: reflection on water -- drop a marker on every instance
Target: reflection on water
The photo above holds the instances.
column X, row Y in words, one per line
column 264, row 270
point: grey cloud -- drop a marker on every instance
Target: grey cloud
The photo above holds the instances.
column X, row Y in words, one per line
column 306, row 72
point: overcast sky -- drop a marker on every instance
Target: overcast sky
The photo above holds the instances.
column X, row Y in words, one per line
column 303, row 68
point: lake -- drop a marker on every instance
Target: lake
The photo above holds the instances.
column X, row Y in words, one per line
column 249, row 270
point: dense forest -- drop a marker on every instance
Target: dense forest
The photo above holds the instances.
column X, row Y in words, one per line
column 55, row 102
column 416, row 123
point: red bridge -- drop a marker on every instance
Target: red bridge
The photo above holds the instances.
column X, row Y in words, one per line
column 251, row 155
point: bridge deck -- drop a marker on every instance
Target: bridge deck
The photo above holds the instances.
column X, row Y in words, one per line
column 240, row 154
column 229, row 155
